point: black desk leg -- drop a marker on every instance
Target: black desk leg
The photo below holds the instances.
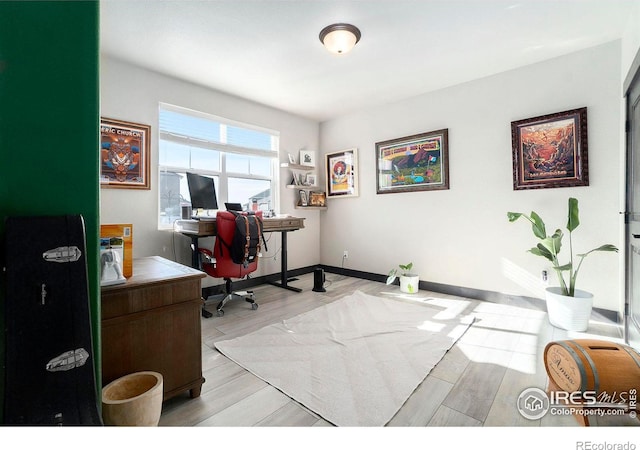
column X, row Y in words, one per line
column 195, row 253
column 283, row 268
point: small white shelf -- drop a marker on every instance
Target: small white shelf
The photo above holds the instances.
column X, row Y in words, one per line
column 299, row 167
column 322, row 208
column 306, row 188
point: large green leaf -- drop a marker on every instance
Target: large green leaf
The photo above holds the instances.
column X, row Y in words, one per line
column 602, row 248
column 553, row 243
column 538, row 226
column 573, row 221
column 513, row 216
column 540, row 250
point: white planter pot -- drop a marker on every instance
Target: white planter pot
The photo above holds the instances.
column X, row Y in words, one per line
column 569, row 313
column 409, row 283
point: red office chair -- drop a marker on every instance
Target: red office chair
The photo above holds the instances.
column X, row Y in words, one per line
column 219, row 264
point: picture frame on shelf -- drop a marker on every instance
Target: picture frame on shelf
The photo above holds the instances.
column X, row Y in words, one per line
column 307, row 158
column 292, row 159
column 317, row 198
column 310, row 179
column 341, row 173
column 413, row 163
column 125, row 151
column 550, row 151
column 298, row 179
column 303, row 197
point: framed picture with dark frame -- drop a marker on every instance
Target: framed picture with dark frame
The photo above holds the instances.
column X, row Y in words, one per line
column 341, row 173
column 124, row 154
column 413, row 163
column 303, row 197
column 550, row 151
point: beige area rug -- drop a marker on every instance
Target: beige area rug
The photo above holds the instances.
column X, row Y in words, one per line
column 355, row 361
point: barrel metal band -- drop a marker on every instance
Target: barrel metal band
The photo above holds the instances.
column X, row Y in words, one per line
column 583, row 373
column 634, row 355
column 596, row 376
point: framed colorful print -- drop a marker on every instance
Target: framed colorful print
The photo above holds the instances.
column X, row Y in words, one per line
column 413, row 163
column 124, row 154
column 550, row 151
column 341, row 172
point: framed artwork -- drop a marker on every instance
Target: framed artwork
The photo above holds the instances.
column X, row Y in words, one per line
column 124, row 154
column 342, row 173
column 317, row 199
column 307, row 158
column 303, row 197
column 413, row 163
column 550, row 151
column 292, row 160
column 310, row 180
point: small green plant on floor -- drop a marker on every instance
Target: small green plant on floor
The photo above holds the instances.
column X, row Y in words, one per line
column 405, row 271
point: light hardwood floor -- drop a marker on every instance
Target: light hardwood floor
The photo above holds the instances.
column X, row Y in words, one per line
column 476, row 383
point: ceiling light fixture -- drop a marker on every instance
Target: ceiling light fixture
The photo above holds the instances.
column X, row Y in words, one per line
column 340, row 38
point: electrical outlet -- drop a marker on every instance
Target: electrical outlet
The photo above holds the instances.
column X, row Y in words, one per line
column 545, row 276
column 345, row 254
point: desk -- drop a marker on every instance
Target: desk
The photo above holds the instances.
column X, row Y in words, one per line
column 196, row 229
column 152, row 322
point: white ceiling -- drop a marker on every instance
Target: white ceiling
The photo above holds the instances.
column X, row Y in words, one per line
column 268, row 50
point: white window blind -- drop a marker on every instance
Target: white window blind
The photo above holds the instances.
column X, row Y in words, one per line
column 241, row 158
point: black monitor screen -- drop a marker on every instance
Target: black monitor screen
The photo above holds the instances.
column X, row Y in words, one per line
column 202, row 191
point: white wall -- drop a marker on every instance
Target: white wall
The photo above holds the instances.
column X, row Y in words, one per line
column 631, row 39
column 133, row 94
column 461, row 236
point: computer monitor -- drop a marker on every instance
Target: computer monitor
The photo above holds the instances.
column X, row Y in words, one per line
column 202, row 191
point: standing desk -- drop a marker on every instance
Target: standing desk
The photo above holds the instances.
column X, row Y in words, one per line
column 206, row 227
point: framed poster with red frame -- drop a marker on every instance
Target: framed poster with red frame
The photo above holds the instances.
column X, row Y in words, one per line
column 550, row 151
column 124, row 154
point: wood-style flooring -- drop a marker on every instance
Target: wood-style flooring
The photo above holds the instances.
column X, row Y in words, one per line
column 476, row 383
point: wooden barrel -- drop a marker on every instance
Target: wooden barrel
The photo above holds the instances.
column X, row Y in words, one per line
column 592, row 365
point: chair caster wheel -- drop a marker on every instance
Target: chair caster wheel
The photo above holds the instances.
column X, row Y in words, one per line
column 254, row 306
column 220, row 313
column 206, row 314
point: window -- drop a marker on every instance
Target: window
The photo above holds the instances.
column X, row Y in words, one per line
column 242, row 160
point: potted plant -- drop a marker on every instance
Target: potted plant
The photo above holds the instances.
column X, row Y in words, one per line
column 408, row 281
column 569, row 308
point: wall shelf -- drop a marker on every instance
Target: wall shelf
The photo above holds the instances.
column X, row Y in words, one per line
column 321, row 208
column 300, row 172
column 298, row 167
column 299, row 186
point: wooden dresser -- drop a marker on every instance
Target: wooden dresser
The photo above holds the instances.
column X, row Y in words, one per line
column 152, row 322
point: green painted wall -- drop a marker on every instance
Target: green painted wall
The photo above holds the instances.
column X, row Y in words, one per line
column 49, row 117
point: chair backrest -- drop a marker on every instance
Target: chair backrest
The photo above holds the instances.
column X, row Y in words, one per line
column 225, row 230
